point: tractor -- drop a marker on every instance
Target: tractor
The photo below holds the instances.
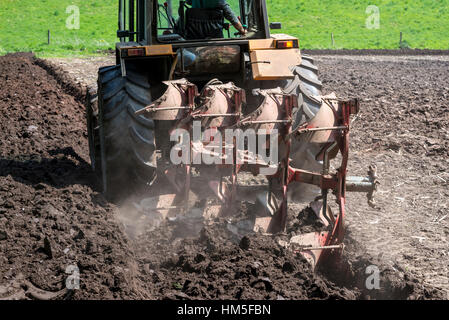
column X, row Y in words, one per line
column 183, row 116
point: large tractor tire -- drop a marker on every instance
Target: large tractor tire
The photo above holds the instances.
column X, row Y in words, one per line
column 93, row 131
column 122, row 144
column 306, row 86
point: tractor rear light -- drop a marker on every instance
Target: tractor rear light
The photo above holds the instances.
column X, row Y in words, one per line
column 136, row 52
column 287, row 44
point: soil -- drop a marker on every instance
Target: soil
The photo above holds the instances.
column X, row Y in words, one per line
column 402, row 129
column 378, row 52
column 212, row 266
column 52, row 216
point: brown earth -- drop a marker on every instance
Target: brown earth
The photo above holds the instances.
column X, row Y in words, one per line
column 51, row 215
column 403, row 129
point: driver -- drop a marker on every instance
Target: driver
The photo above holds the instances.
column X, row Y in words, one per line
column 221, row 5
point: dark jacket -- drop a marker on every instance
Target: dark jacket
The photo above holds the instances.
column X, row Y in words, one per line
column 215, row 4
column 206, row 18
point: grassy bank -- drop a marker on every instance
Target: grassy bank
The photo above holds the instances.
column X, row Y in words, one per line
column 425, row 24
column 24, row 25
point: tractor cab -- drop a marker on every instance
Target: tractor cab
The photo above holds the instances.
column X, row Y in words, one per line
column 172, row 21
column 178, row 41
column 181, row 22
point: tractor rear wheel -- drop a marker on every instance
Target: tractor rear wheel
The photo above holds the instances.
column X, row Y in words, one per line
column 122, row 144
column 306, row 86
column 93, row 130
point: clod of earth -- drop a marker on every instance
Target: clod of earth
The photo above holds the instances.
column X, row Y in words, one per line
column 47, row 248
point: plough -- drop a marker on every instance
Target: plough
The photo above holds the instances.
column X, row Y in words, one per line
column 210, row 133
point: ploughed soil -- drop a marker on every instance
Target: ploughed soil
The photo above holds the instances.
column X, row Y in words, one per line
column 50, row 216
column 403, row 128
column 54, row 220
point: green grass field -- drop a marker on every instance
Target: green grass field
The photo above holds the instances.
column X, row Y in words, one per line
column 24, row 25
column 424, row 23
